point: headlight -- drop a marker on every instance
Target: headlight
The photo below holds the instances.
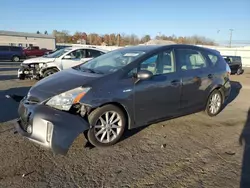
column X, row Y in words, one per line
column 65, row 100
column 43, row 65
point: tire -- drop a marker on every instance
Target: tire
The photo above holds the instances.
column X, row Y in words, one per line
column 239, row 71
column 95, row 133
column 15, row 58
column 21, row 77
column 49, row 72
column 216, row 109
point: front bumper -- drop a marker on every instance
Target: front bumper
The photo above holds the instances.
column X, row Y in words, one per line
column 27, row 72
column 48, row 127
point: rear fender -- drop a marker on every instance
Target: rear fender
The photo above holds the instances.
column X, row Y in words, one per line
column 220, row 88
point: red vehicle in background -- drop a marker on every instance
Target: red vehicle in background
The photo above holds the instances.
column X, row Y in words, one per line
column 35, row 51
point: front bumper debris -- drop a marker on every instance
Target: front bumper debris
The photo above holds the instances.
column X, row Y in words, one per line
column 28, row 71
column 48, row 127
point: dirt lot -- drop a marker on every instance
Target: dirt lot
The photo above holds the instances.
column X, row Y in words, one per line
column 191, row 151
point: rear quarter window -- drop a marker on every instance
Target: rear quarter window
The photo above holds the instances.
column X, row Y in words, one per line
column 217, row 61
column 213, row 58
column 236, row 59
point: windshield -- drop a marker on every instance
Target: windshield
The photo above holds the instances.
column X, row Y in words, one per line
column 58, row 53
column 111, row 61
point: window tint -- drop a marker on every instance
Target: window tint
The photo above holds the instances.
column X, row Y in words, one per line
column 214, row 59
column 4, row 48
column 78, row 54
column 112, row 61
column 15, row 48
column 161, row 63
column 236, row 59
column 190, row 59
column 93, row 53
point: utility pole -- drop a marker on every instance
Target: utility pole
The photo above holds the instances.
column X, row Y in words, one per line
column 118, row 40
column 230, row 42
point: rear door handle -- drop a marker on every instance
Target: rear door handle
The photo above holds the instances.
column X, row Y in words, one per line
column 175, row 82
column 210, row 76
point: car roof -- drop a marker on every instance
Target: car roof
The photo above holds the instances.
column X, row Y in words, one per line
column 148, row 48
column 230, row 56
column 85, row 47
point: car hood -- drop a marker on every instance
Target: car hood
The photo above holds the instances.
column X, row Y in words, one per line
column 60, row 82
column 38, row 60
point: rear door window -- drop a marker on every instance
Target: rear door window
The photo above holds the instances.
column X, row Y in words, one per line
column 189, row 59
column 213, row 58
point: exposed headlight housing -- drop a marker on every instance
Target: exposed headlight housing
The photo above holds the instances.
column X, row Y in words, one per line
column 65, row 100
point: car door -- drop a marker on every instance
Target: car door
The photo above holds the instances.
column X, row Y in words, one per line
column 74, row 59
column 159, row 96
column 4, row 53
column 194, row 71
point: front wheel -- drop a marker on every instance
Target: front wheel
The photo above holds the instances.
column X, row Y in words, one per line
column 107, row 126
column 214, row 103
column 49, row 72
column 239, row 71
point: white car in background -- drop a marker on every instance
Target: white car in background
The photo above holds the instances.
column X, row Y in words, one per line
column 37, row 68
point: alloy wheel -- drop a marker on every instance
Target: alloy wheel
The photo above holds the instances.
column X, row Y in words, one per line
column 215, row 103
column 108, row 127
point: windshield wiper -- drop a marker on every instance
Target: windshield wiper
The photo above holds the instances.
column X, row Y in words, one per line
column 91, row 70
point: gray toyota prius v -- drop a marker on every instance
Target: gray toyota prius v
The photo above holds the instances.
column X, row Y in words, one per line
column 123, row 89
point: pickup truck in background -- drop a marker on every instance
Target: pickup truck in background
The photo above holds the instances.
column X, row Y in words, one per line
column 35, row 51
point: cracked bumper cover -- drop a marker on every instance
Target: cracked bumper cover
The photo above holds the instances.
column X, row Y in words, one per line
column 51, row 128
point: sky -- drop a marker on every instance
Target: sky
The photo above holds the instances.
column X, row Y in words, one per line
column 209, row 18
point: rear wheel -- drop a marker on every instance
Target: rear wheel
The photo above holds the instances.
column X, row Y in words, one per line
column 49, row 72
column 214, row 103
column 108, row 124
column 15, row 59
column 239, row 71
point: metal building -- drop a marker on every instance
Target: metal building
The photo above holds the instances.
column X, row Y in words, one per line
column 27, row 39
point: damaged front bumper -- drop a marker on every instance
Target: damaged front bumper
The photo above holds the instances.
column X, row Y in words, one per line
column 26, row 71
column 48, row 127
column 30, row 71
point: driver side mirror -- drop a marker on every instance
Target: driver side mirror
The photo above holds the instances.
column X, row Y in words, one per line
column 144, row 75
column 67, row 57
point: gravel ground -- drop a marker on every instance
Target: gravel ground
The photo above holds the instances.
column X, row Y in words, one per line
column 191, row 151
